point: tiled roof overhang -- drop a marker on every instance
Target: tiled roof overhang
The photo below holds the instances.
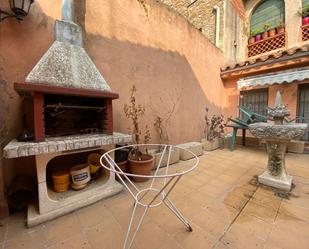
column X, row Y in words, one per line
column 291, row 58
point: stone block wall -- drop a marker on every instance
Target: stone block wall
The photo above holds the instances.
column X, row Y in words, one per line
column 201, row 15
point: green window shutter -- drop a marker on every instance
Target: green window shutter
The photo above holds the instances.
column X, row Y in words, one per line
column 305, row 2
column 269, row 11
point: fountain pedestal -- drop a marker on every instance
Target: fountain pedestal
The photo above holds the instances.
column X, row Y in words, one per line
column 277, row 134
column 276, row 175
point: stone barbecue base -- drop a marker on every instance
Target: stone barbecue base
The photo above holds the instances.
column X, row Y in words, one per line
column 91, row 194
column 52, row 204
column 284, row 182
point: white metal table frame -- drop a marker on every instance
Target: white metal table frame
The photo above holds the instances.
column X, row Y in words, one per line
column 169, row 182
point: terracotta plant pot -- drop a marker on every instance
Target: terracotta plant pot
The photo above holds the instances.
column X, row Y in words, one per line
column 251, row 40
column 265, row 35
column 142, row 167
column 258, row 37
column 280, row 30
column 123, row 166
column 306, row 20
column 272, row 32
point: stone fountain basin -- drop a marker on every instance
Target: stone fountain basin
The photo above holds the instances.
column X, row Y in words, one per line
column 281, row 132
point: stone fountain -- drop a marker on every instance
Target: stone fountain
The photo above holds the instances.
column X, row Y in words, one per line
column 277, row 134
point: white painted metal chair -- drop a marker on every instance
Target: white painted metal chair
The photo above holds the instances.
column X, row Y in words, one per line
column 161, row 194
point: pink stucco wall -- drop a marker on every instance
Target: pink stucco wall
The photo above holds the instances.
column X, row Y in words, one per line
column 174, row 67
column 171, row 64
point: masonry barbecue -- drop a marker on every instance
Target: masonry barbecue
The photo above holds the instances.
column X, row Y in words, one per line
column 70, row 96
column 71, row 116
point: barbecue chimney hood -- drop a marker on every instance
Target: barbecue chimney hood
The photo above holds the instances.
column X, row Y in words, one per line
column 66, row 63
column 69, row 94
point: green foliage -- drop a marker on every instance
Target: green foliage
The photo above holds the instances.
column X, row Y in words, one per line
column 280, row 23
column 255, row 32
column 305, row 11
column 266, row 26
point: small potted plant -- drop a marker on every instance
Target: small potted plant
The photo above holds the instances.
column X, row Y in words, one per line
column 214, row 128
column 280, row 26
column 252, row 37
column 272, row 31
column 266, row 29
column 163, row 139
column 305, row 15
column 258, row 36
column 140, row 161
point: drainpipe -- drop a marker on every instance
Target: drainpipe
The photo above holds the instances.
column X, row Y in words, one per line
column 217, row 10
column 68, row 10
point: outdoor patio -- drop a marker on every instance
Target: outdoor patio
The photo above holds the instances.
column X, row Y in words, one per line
column 221, row 198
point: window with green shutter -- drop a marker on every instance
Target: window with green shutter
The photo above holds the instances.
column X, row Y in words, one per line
column 254, row 100
column 268, row 11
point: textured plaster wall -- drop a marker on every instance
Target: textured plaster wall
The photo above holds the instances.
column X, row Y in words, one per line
column 21, row 46
column 174, row 67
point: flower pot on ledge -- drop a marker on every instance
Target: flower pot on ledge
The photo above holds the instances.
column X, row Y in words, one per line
column 174, row 158
column 305, row 20
column 265, row 35
column 272, row 32
column 210, row 145
column 280, row 30
column 251, row 40
column 258, row 37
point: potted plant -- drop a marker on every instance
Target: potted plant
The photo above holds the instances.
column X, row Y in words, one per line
column 163, row 139
column 266, row 29
column 272, row 31
column 252, row 37
column 280, row 26
column 305, row 15
column 140, row 161
column 214, row 128
column 121, row 157
column 258, row 36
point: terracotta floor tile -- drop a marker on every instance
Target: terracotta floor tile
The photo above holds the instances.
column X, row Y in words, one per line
column 151, row 236
column 297, row 212
column 61, row 228
column 93, row 214
column 26, row 241
column 211, row 223
column 198, row 239
column 235, row 201
column 267, row 200
column 211, row 198
column 106, row 235
column 241, row 239
column 265, row 213
column 77, row 241
column 252, row 225
column 288, row 240
column 171, row 244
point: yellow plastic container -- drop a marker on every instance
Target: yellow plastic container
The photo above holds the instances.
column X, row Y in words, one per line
column 94, row 162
